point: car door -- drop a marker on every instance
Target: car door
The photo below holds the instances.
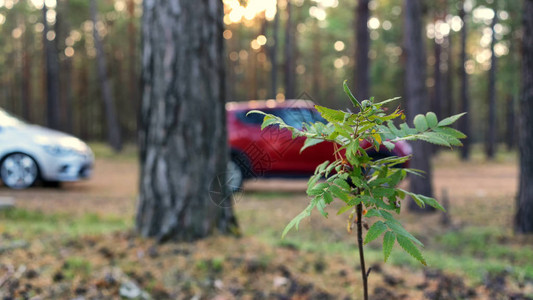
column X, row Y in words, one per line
column 285, row 151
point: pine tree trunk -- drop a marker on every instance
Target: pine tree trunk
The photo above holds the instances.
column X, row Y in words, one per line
column 52, row 76
column 182, row 137
column 524, row 215
column 113, row 128
column 27, row 76
column 464, row 123
column 290, row 68
column 417, row 95
column 491, row 130
column 362, row 62
column 274, row 56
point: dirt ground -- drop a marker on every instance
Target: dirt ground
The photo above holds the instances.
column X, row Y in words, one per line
column 113, row 190
column 103, row 266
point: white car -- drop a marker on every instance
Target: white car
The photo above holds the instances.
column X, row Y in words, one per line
column 30, row 152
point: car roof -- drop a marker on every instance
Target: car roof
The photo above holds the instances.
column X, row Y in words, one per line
column 266, row 104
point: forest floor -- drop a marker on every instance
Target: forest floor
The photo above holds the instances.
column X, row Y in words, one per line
column 77, row 242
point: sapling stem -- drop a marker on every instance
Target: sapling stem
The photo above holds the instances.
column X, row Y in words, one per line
column 359, row 210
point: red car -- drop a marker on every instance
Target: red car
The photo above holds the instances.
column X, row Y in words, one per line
column 273, row 152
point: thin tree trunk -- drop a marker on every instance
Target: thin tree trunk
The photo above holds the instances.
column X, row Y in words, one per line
column 62, row 28
column 182, row 138
column 274, row 55
column 27, row 76
column 464, row 123
column 134, row 80
column 290, row 68
column 524, row 215
column 113, row 128
column 317, row 59
column 510, row 122
column 52, row 76
column 437, row 77
column 491, row 130
column 362, row 38
column 416, row 94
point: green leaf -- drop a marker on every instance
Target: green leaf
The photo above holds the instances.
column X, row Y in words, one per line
column 344, row 209
column 388, row 242
column 410, row 248
column 321, row 205
column 310, row 142
column 296, row 221
column 431, row 202
column 420, row 123
column 431, row 119
column 450, row 131
column 328, row 198
column 331, row 115
column 339, row 193
column 342, row 183
column 350, row 95
column 318, row 189
column 400, row 231
column 390, row 146
column 375, row 231
column 450, row 120
column 269, row 120
column 434, row 138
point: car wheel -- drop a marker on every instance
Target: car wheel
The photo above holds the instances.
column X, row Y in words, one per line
column 235, row 176
column 18, row 171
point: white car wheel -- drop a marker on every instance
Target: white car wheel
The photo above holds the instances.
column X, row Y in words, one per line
column 18, row 171
column 235, row 176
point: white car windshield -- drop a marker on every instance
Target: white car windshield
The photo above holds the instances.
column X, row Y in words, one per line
column 8, row 120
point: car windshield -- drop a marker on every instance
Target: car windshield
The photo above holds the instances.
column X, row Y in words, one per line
column 8, row 120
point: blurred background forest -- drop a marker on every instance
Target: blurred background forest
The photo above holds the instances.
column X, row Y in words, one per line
column 51, row 68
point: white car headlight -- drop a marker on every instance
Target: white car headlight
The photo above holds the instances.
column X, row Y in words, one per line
column 58, row 150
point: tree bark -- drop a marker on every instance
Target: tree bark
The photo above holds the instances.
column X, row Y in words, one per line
column 491, row 129
column 113, row 128
column 52, row 76
column 274, row 55
column 464, row 123
column 27, row 56
column 182, row 137
column 362, row 38
column 417, row 95
column 290, row 68
column 524, row 215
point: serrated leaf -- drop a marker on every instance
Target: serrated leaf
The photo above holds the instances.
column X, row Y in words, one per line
column 342, row 183
column 450, row 131
column 296, row 221
column 310, row 142
column 330, row 115
column 269, row 120
column 318, row 189
column 431, row 119
column 344, row 209
column 410, row 248
column 400, row 231
column 434, row 138
column 390, row 146
column 450, row 120
column 420, row 123
column 350, row 95
column 431, row 202
column 388, row 242
column 321, row 205
column 375, row 231
column 328, row 198
column 339, row 193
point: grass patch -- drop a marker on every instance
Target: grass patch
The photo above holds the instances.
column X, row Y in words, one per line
column 28, row 223
column 129, row 152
